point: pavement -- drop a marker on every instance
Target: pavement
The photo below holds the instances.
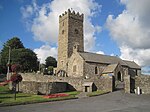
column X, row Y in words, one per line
column 82, row 95
column 112, row 102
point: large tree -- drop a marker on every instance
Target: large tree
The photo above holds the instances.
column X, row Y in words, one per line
column 18, row 54
column 26, row 58
column 50, row 61
column 11, row 44
column 14, row 43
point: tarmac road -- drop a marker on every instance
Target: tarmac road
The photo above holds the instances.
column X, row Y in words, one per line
column 112, row 102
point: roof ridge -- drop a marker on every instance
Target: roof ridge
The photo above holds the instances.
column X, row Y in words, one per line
column 107, row 59
column 99, row 54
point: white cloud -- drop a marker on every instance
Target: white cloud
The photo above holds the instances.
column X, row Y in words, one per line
column 44, row 51
column 98, row 29
column 100, row 52
column 27, row 12
column 141, row 56
column 131, row 30
column 126, row 29
column 45, row 24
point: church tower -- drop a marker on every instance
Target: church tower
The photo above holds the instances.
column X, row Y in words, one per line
column 70, row 33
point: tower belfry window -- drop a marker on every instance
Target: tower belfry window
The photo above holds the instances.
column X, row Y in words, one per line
column 76, row 31
column 62, row 63
column 63, row 31
column 96, row 70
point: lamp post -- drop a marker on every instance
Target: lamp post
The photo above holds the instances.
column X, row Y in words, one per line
column 8, row 62
column 39, row 64
column 0, row 59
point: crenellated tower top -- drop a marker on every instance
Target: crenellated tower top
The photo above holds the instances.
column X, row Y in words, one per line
column 71, row 14
column 70, row 33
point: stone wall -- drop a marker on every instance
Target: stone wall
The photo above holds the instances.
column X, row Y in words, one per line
column 89, row 69
column 73, row 83
column 104, row 83
column 118, row 69
column 125, row 71
column 28, row 87
column 33, row 87
column 127, row 84
column 75, row 61
column 101, row 82
column 143, row 82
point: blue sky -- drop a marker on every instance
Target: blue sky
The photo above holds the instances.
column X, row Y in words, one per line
column 112, row 27
column 11, row 23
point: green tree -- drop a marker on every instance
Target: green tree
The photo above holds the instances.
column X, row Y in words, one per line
column 51, row 61
column 26, row 58
column 11, row 44
column 3, row 69
column 48, row 71
column 19, row 55
column 14, row 43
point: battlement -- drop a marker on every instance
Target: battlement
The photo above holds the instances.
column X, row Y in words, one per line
column 71, row 14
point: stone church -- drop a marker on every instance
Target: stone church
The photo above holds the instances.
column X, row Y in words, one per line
column 84, row 71
column 73, row 61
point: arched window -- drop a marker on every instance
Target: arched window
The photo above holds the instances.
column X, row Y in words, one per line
column 63, row 31
column 74, row 68
column 76, row 31
column 96, row 70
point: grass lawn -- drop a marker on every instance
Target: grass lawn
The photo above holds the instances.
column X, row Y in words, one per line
column 7, row 97
column 96, row 93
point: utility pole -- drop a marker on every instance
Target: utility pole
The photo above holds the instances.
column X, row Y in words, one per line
column 8, row 64
column 39, row 65
column 0, row 59
column 0, row 53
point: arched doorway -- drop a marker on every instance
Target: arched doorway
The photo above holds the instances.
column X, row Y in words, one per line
column 119, row 84
column 119, row 77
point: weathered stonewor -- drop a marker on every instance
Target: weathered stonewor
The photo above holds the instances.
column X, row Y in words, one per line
column 33, row 83
column 143, row 82
column 70, row 32
column 104, row 83
column 33, row 87
column 127, row 84
column 72, row 83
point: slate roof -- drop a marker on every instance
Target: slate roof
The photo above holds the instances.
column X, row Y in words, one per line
column 110, row 68
column 99, row 58
column 105, row 59
column 132, row 64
